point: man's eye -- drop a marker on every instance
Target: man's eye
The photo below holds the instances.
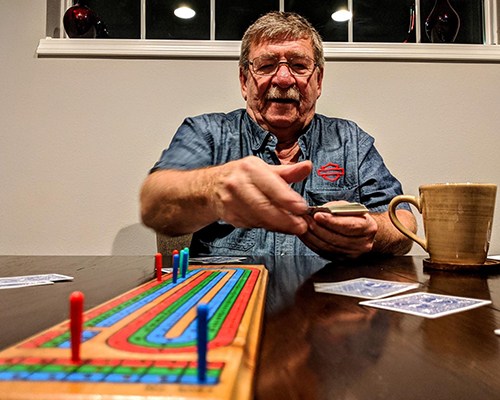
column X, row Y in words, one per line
column 267, row 67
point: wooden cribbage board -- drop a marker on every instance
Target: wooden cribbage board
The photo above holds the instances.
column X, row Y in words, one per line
column 142, row 344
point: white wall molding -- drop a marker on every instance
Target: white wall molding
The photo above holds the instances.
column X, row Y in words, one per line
column 137, row 48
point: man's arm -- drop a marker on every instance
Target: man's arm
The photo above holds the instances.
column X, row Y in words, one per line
column 177, row 202
column 334, row 236
column 245, row 193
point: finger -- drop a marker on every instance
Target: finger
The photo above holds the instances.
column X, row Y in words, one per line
column 327, row 249
column 328, row 239
column 269, row 181
column 296, row 172
column 348, row 225
column 332, row 240
column 246, row 206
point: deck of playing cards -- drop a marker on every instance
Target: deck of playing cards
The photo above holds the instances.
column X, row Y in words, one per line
column 364, row 288
column 349, row 208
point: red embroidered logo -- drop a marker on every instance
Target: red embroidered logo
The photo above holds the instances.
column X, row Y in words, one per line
column 331, row 172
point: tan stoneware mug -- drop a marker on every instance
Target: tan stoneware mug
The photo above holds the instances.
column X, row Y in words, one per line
column 458, row 219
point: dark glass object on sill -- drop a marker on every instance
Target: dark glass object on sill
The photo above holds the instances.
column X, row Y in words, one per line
column 412, row 37
column 443, row 23
column 81, row 22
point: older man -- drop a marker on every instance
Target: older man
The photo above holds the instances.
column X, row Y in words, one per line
column 242, row 181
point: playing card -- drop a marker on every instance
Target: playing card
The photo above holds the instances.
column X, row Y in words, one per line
column 35, row 278
column 365, row 288
column 14, row 285
column 31, row 280
column 56, row 277
column 217, row 259
column 428, row 305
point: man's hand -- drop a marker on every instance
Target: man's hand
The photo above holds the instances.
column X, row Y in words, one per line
column 340, row 235
column 249, row 193
column 245, row 193
column 344, row 236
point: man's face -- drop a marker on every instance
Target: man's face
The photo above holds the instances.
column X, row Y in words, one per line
column 281, row 103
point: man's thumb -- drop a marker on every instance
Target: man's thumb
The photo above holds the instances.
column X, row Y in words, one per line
column 295, row 172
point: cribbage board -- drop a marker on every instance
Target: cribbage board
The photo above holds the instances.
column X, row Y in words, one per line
column 142, row 344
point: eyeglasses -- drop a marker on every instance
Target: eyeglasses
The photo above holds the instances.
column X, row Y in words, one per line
column 298, row 66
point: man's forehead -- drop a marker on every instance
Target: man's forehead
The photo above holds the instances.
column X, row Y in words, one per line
column 296, row 46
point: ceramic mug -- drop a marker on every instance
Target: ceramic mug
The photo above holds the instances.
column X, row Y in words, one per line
column 458, row 219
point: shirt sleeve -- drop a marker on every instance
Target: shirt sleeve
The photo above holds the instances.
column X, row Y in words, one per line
column 377, row 185
column 192, row 146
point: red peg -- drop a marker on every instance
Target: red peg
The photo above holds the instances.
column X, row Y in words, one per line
column 76, row 322
column 158, row 264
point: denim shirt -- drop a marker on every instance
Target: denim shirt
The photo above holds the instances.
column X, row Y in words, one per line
column 346, row 166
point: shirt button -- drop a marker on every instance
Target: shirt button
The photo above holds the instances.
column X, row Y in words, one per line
column 270, row 138
column 282, row 254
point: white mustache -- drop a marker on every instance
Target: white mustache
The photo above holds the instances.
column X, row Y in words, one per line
column 276, row 92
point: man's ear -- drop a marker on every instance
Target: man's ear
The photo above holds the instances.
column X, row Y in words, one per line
column 320, row 80
column 243, row 82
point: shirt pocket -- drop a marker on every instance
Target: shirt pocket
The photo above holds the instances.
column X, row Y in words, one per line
column 321, row 196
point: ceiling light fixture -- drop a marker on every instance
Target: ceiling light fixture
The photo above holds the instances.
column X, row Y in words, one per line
column 342, row 16
column 184, row 12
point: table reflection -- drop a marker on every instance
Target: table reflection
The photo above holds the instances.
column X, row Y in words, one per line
column 323, row 343
column 460, row 329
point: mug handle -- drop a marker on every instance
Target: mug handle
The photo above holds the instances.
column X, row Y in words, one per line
column 417, row 202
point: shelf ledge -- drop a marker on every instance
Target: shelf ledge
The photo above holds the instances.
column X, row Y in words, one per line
column 175, row 49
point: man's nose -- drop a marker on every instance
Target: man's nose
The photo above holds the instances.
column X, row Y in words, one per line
column 283, row 76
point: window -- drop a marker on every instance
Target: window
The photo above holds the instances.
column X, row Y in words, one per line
column 378, row 29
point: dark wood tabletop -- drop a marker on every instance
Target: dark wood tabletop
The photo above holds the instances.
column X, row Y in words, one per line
column 313, row 345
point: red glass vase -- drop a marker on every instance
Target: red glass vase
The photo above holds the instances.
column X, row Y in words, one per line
column 80, row 22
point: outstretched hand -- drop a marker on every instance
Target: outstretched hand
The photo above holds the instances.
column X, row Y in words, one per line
column 249, row 193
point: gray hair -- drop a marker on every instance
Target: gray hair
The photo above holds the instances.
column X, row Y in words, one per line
column 280, row 25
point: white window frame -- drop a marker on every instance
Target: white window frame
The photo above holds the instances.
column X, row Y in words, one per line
column 219, row 49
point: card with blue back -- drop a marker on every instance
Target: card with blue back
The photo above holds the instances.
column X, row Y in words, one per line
column 34, row 278
column 216, row 259
column 365, row 288
column 428, row 305
column 31, row 280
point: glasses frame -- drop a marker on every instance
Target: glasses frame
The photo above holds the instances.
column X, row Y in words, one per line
column 287, row 63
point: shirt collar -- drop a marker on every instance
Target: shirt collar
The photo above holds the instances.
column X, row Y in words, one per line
column 259, row 136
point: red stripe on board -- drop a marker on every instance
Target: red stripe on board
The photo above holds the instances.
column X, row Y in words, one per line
column 38, row 341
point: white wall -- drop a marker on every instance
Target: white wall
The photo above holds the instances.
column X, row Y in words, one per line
column 77, row 136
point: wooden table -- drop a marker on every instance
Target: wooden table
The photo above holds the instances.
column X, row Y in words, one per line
column 314, row 345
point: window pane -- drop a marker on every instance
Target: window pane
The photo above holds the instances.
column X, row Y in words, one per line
column 232, row 18
column 319, row 13
column 471, row 15
column 122, row 18
column 381, row 21
column 161, row 23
